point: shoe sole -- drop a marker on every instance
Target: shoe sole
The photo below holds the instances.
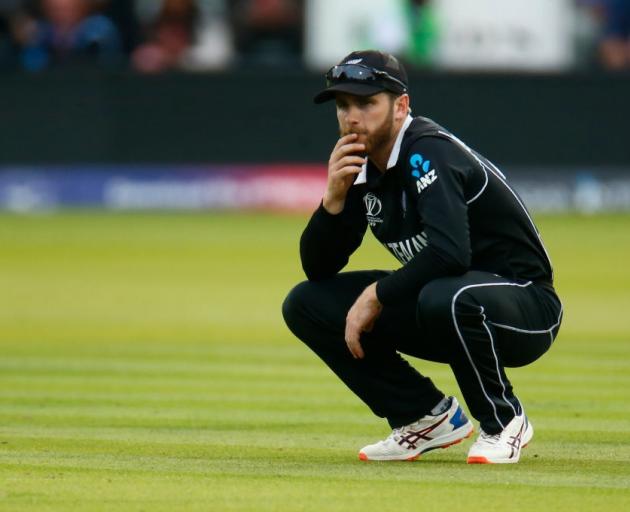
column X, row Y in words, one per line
column 364, row 457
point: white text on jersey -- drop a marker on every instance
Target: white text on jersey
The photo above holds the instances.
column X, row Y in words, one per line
column 426, row 180
column 407, row 249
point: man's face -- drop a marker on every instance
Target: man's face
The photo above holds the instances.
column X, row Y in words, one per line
column 371, row 117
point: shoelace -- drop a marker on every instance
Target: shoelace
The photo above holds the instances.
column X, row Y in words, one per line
column 396, row 434
column 489, row 438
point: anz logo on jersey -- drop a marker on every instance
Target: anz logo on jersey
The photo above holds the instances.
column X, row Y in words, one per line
column 422, row 171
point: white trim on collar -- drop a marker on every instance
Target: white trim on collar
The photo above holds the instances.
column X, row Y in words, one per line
column 393, row 156
column 362, row 176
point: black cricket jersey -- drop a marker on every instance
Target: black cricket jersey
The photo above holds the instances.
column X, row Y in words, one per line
column 440, row 208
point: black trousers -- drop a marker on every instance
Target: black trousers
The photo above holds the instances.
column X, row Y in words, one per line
column 478, row 323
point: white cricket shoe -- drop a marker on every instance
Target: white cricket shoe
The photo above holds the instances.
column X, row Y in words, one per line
column 428, row 433
column 504, row 447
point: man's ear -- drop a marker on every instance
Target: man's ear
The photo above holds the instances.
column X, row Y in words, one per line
column 402, row 106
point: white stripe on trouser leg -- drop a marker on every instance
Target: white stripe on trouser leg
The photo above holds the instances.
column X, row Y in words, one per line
column 496, row 361
column 527, row 331
column 461, row 339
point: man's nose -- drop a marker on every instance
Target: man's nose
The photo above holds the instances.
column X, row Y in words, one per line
column 352, row 115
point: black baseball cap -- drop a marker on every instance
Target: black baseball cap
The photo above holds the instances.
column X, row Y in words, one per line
column 364, row 73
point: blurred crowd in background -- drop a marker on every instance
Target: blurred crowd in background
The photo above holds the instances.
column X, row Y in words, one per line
column 153, row 36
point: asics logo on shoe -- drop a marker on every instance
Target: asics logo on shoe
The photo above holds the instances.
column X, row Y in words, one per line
column 411, row 437
column 427, row 433
column 515, row 441
column 504, row 447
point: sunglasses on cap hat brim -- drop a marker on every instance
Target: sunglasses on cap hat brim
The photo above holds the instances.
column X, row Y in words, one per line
column 363, row 74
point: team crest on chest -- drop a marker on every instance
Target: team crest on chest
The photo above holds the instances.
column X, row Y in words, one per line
column 373, row 208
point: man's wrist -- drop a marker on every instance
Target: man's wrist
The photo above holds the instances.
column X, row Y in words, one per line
column 372, row 296
column 333, row 206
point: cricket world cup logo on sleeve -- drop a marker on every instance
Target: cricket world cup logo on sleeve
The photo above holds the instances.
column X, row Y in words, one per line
column 373, row 207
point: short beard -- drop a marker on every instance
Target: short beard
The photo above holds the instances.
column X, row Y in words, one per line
column 381, row 136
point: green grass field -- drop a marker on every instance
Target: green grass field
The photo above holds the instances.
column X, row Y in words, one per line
column 144, row 365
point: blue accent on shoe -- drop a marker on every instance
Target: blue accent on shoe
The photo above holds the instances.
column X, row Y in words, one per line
column 459, row 419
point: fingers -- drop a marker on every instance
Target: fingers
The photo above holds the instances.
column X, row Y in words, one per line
column 346, row 139
column 347, row 150
column 356, row 350
column 346, row 145
column 347, row 171
column 354, row 345
column 344, row 164
column 349, row 164
column 361, row 318
column 352, row 335
column 351, row 160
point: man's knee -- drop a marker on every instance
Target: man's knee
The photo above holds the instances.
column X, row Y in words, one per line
column 294, row 305
column 435, row 305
